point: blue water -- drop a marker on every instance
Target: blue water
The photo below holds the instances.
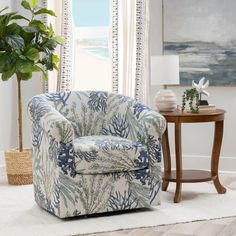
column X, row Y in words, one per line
column 100, row 48
column 102, row 52
column 199, row 59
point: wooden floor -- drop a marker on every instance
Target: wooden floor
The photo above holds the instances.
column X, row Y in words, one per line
column 220, row 227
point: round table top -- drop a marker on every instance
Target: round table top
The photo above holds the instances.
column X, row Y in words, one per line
column 202, row 116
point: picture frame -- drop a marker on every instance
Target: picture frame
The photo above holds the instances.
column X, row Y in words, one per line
column 203, row 34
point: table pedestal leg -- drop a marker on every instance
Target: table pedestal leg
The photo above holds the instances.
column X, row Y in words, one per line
column 166, row 157
column 178, row 156
column 219, row 127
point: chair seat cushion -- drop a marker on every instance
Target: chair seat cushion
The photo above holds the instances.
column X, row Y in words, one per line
column 108, row 154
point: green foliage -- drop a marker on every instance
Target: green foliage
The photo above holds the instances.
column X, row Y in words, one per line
column 29, row 47
column 192, row 97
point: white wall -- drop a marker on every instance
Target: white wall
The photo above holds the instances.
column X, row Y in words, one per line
column 7, row 107
column 8, row 101
column 197, row 138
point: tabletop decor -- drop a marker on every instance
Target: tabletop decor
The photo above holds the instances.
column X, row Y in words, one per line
column 25, row 48
column 201, row 88
column 191, row 96
column 165, row 71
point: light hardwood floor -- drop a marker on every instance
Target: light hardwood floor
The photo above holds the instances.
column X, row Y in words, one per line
column 219, row 227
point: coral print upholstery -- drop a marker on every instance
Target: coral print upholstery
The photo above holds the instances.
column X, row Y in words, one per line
column 94, row 152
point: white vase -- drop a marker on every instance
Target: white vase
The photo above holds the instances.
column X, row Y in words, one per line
column 165, row 100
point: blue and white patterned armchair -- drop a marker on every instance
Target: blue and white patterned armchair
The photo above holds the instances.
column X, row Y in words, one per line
column 94, row 152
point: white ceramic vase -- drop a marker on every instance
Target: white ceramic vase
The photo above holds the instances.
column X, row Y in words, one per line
column 165, row 100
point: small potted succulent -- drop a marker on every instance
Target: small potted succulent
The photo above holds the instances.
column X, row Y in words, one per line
column 27, row 46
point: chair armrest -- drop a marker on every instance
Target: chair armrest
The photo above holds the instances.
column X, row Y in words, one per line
column 151, row 126
column 59, row 134
column 52, row 122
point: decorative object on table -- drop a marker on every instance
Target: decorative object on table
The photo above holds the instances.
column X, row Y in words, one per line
column 203, row 34
column 25, row 48
column 179, row 175
column 165, row 71
column 191, row 99
column 201, row 88
column 204, row 108
column 99, row 152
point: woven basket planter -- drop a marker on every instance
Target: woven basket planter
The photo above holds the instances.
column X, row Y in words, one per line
column 19, row 167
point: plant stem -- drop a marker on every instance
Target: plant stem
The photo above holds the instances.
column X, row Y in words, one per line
column 20, row 134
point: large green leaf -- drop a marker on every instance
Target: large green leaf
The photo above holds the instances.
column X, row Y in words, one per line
column 36, row 69
column 30, row 29
column 23, row 57
column 28, row 38
column 6, row 62
column 2, row 31
column 9, row 73
column 25, row 76
column 26, row 5
column 59, row 40
column 4, row 9
column 24, row 66
column 45, row 11
column 32, row 54
column 38, row 24
column 33, row 3
column 6, row 18
column 15, row 41
column 13, row 29
column 50, row 45
column 19, row 17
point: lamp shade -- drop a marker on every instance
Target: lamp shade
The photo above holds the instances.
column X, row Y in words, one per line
column 164, row 70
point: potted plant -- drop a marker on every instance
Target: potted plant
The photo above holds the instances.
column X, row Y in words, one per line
column 191, row 98
column 27, row 46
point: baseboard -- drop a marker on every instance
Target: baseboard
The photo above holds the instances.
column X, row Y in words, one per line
column 227, row 164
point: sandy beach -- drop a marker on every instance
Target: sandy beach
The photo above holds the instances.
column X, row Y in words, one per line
column 91, row 71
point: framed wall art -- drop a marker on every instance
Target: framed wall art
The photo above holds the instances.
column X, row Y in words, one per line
column 203, row 34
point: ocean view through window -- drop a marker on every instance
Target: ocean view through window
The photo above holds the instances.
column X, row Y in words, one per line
column 91, row 32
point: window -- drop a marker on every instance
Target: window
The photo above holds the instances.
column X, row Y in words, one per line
column 91, row 32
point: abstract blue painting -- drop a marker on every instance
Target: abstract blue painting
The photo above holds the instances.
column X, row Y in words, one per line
column 203, row 34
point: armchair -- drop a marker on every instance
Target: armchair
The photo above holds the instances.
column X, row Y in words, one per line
column 94, row 152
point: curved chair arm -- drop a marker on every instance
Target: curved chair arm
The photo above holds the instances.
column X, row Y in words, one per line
column 50, row 120
column 151, row 125
column 58, row 138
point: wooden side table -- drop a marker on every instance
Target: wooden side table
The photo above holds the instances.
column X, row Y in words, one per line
column 191, row 176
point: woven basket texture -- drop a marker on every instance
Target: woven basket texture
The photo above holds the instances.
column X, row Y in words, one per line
column 19, row 167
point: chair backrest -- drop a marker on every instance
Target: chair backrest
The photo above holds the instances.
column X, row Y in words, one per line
column 94, row 112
